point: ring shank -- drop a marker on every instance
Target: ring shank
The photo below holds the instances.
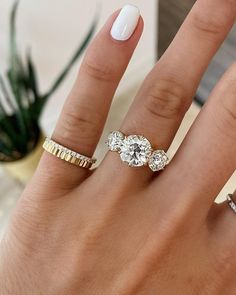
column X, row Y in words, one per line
column 231, row 202
column 67, row 155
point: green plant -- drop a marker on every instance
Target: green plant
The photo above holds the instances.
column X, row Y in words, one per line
column 21, row 102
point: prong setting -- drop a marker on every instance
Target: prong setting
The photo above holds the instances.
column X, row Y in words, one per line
column 136, row 151
column 158, row 161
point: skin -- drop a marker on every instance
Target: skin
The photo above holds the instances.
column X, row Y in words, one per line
column 120, row 230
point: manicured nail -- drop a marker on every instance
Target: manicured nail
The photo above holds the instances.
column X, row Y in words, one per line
column 125, row 23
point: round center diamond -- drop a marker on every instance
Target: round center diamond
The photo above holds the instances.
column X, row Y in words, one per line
column 135, row 150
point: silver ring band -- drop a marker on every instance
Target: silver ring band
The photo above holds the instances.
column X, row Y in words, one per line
column 231, row 202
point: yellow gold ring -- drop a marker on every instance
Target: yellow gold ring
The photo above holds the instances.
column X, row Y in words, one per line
column 67, row 155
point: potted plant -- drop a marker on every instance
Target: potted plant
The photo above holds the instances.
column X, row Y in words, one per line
column 22, row 103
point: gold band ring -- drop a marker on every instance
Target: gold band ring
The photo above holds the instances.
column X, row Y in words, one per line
column 67, row 155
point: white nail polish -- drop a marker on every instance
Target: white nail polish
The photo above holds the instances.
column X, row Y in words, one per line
column 125, row 23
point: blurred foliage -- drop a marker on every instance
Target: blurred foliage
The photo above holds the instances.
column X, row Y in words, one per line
column 21, row 102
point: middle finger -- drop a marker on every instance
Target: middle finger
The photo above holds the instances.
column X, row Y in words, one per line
column 167, row 92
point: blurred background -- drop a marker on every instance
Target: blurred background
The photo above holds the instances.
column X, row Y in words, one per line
column 54, row 31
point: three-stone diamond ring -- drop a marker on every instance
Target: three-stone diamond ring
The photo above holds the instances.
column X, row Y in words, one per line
column 136, row 151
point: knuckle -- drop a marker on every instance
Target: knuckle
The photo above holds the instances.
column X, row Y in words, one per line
column 207, row 25
column 230, row 111
column 81, row 123
column 179, row 222
column 100, row 72
column 166, row 99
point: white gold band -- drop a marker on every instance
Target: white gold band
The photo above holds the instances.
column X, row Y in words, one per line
column 231, row 202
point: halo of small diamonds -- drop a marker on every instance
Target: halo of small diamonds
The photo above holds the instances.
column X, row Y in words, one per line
column 135, row 151
column 158, row 160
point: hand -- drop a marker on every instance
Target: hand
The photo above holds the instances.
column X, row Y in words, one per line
column 121, row 230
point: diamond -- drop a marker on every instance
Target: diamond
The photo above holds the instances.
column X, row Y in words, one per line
column 115, row 140
column 135, row 151
column 233, row 206
column 158, row 161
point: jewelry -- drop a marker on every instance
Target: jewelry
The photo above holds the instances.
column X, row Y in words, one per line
column 231, row 202
column 67, row 155
column 136, row 151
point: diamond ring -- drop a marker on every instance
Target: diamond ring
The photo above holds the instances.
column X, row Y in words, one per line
column 136, row 151
column 67, row 155
column 231, row 202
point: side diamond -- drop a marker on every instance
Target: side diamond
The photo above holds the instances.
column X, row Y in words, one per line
column 115, row 140
column 158, row 161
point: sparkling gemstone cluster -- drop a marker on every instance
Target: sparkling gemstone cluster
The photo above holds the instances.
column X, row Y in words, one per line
column 115, row 140
column 136, row 151
column 233, row 206
column 158, row 160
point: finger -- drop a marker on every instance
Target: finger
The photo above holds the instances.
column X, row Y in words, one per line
column 85, row 111
column 222, row 224
column 206, row 159
column 168, row 90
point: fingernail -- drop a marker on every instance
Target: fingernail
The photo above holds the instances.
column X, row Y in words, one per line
column 125, row 23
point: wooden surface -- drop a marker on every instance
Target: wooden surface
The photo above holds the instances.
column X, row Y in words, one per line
column 171, row 15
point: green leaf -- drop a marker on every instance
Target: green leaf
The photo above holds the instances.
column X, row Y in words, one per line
column 32, row 77
column 16, row 74
column 5, row 152
column 7, row 127
column 20, row 131
column 3, row 112
column 21, row 112
column 13, row 46
column 5, row 140
column 4, row 90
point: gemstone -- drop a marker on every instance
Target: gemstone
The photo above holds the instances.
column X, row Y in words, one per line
column 158, row 160
column 115, row 140
column 233, row 206
column 135, row 150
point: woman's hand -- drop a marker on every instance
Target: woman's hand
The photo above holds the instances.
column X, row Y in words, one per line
column 122, row 230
